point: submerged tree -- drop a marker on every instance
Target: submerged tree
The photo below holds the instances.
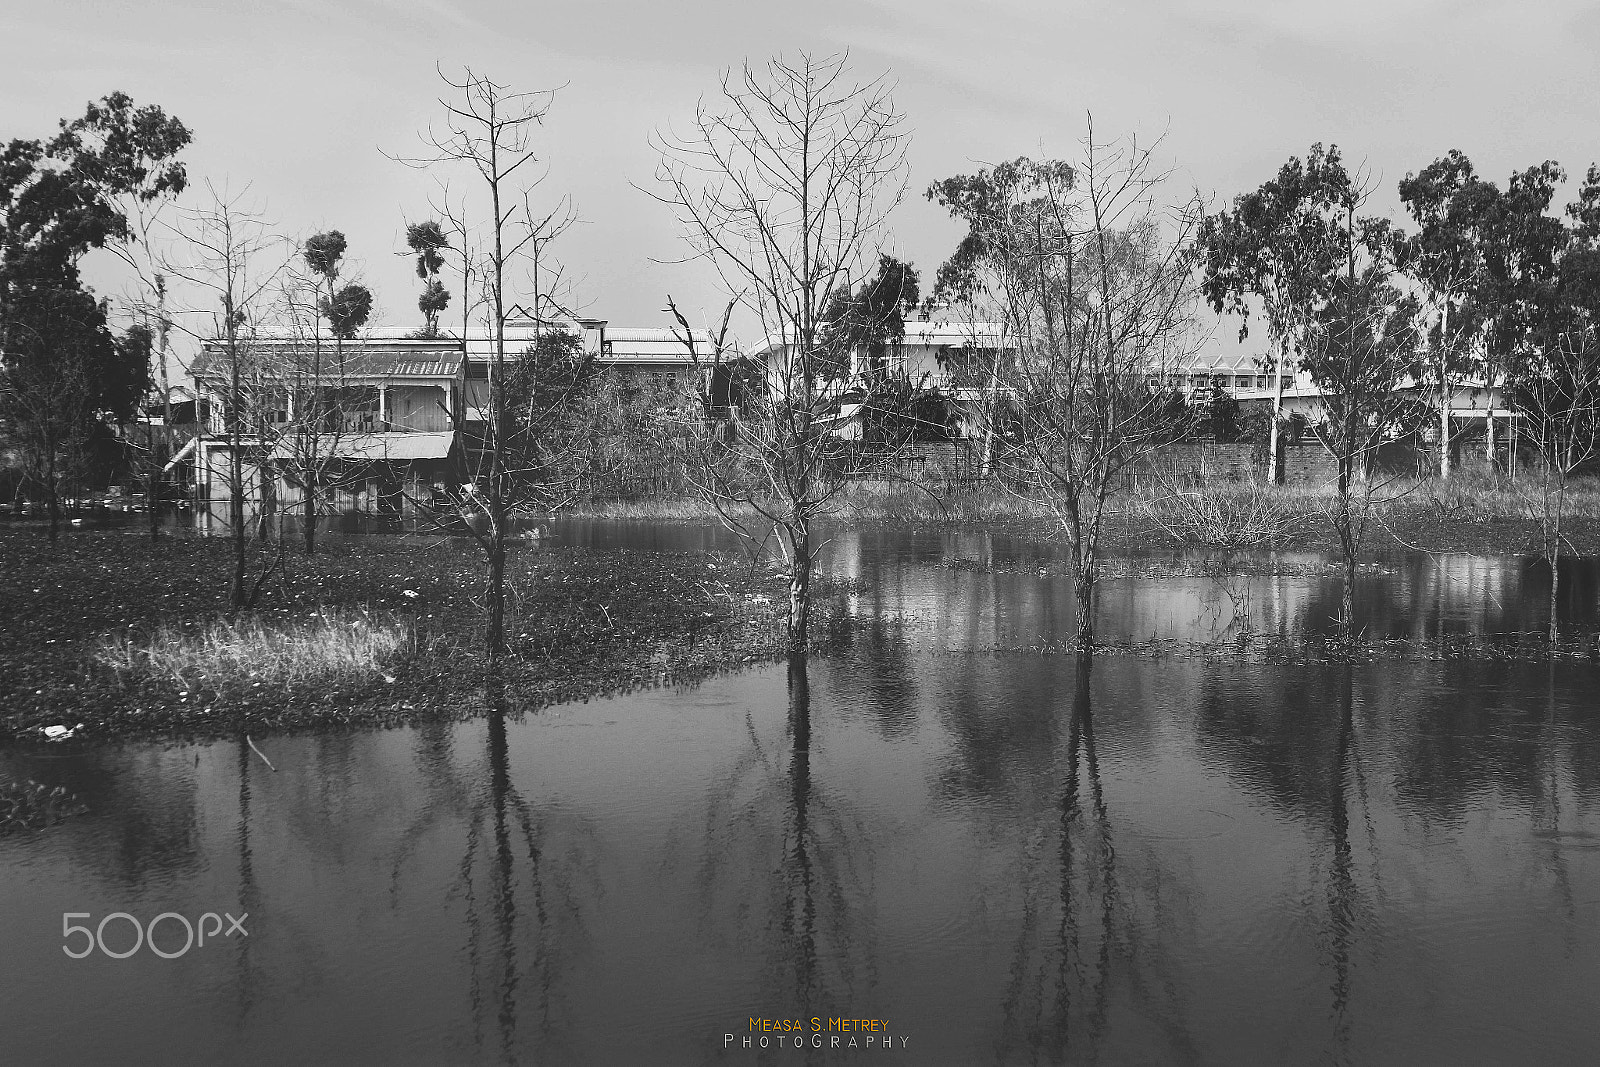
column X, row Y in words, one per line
column 1097, row 295
column 782, row 182
column 1359, row 351
column 489, row 129
column 1558, row 398
column 1556, row 393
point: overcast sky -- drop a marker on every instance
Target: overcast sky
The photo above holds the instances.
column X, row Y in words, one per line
column 297, row 98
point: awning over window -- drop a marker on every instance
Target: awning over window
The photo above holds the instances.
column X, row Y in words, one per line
column 375, row 447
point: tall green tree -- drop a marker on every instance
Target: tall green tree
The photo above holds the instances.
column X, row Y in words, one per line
column 1323, row 274
column 1452, row 208
column 1556, row 392
column 61, row 373
column 1276, row 253
column 872, row 319
column 1522, row 256
column 986, row 272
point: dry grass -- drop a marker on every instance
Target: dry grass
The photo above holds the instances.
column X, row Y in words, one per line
column 329, row 647
column 932, row 504
column 653, row 508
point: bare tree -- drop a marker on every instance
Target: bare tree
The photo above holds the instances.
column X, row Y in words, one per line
column 783, row 182
column 1558, row 398
column 1092, row 274
column 232, row 256
column 489, row 129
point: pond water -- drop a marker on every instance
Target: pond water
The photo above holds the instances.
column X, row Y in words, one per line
column 1005, row 854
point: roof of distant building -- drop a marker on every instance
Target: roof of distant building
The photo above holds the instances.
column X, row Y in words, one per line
column 408, row 358
column 935, row 333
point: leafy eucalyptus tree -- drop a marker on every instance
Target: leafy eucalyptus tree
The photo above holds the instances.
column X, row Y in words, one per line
column 1325, row 276
column 1556, row 393
column 1452, row 208
column 1522, row 256
column 1273, row 250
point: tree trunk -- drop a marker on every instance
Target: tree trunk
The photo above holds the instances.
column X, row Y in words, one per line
column 1083, row 587
column 1553, row 553
column 1444, row 395
column 158, row 466
column 494, row 636
column 1275, row 434
column 308, row 514
column 1085, row 573
column 268, row 504
column 52, row 499
column 1347, row 546
column 1555, row 591
column 1347, row 604
column 800, row 588
column 152, row 495
column 236, row 522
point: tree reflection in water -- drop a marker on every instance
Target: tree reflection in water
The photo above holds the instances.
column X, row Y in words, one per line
column 250, row 899
column 792, row 867
column 1085, row 932
column 1346, row 909
column 522, row 879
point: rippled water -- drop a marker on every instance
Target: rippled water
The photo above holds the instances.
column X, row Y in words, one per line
column 1008, row 857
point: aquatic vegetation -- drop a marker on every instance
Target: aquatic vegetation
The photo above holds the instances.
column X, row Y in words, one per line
column 31, row 805
column 82, row 618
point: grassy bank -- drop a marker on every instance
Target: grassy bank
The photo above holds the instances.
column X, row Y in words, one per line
column 1469, row 513
column 131, row 638
column 1472, row 512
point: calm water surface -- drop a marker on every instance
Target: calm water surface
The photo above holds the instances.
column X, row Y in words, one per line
column 1007, row 856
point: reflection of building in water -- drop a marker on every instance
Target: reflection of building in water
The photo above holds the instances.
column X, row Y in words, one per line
column 1457, row 592
column 957, row 590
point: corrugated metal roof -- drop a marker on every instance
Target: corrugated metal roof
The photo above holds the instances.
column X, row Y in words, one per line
column 381, row 359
